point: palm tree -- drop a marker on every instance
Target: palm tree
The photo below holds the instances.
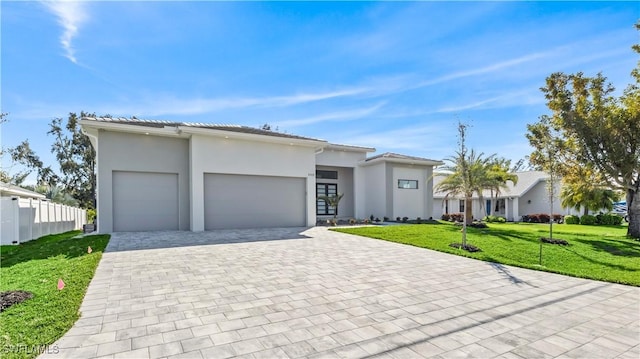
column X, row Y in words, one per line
column 498, row 176
column 467, row 174
column 56, row 194
column 583, row 188
column 332, row 201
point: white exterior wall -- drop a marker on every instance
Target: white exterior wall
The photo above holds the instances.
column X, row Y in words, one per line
column 411, row 203
column 536, row 200
column 119, row 151
column 208, row 154
column 376, row 191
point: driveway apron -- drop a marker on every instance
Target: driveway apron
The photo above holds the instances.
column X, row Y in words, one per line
column 289, row 293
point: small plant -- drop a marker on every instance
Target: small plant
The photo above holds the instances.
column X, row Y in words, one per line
column 366, row 221
column 352, row 221
column 446, row 217
column 386, row 219
column 91, row 215
column 371, row 218
column 588, row 220
column 398, row 219
column 494, row 219
column 418, row 220
column 377, row 220
column 405, row 219
column 572, row 219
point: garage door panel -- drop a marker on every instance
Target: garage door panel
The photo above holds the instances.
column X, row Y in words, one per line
column 144, row 201
column 243, row 201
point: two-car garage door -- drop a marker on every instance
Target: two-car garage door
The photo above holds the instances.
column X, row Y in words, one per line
column 149, row 201
column 245, row 201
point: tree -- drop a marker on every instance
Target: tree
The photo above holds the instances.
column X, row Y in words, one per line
column 594, row 128
column 498, row 175
column 55, row 194
column 467, row 174
column 585, row 189
column 76, row 157
column 24, row 155
column 332, row 201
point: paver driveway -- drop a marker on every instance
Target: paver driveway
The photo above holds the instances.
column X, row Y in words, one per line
column 237, row 293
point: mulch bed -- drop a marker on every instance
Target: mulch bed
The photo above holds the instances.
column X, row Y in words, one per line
column 468, row 247
column 561, row 242
column 10, row 298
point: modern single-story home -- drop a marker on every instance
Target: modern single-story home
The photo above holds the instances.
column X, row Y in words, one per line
column 528, row 196
column 161, row 175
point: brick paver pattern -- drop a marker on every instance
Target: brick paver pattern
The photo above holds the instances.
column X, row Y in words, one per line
column 289, row 293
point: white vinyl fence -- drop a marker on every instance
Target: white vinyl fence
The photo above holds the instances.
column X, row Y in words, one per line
column 24, row 219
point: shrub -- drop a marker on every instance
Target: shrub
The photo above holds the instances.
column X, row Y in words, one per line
column 398, row 219
column 456, row 217
column 91, row 215
column 405, row 219
column 491, row 219
column 371, row 217
column 588, row 219
column 352, row 221
column 541, row 218
column 386, row 219
column 572, row 219
column 609, row 219
column 418, row 220
column 445, row 217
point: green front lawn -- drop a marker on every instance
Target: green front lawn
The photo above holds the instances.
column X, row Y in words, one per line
column 35, row 267
column 594, row 252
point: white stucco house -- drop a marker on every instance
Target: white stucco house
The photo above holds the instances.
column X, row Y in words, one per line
column 528, row 196
column 161, row 175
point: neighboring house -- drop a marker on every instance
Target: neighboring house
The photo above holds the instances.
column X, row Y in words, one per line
column 160, row 175
column 26, row 215
column 528, row 196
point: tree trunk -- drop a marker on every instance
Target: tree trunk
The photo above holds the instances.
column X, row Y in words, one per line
column 468, row 210
column 633, row 211
column 586, row 211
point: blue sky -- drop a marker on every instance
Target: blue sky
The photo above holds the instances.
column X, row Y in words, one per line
column 395, row 76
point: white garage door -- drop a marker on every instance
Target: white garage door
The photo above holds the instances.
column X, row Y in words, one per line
column 144, row 201
column 241, row 201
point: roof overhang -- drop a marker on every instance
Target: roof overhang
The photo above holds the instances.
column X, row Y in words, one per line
column 349, row 148
column 252, row 137
column 10, row 190
column 403, row 161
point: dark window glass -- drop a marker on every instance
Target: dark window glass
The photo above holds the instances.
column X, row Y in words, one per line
column 325, row 189
column 326, row 174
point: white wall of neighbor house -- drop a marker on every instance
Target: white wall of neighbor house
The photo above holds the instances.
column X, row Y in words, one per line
column 536, row 200
column 211, row 154
column 345, row 183
column 126, row 152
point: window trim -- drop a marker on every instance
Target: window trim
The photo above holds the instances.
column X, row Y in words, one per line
column 409, row 182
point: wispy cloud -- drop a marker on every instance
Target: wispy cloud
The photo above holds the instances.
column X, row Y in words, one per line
column 71, row 15
column 347, row 115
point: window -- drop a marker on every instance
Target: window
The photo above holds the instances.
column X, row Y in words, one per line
column 407, row 184
column 325, row 189
column 500, row 205
column 326, row 174
column 446, row 206
column 462, row 205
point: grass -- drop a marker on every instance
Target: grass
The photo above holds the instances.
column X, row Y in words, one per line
column 36, row 266
column 595, row 252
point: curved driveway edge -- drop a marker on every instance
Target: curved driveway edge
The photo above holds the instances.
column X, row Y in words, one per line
column 289, row 293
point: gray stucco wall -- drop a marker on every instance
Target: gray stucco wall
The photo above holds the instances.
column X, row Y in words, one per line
column 119, row 151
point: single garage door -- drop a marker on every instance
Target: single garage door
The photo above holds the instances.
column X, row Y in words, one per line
column 242, row 201
column 145, row 201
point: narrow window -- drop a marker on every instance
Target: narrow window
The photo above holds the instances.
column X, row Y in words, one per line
column 407, row 184
column 326, row 174
column 462, row 205
column 325, row 189
column 446, row 206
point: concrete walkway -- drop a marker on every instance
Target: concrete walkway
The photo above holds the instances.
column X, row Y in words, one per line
column 290, row 293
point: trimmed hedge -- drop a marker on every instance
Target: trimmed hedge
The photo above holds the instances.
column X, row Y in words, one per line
column 588, row 220
column 542, row 218
column 453, row 217
column 609, row 219
column 572, row 219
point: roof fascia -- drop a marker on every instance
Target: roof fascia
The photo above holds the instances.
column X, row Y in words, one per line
column 169, row 131
column 252, row 137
